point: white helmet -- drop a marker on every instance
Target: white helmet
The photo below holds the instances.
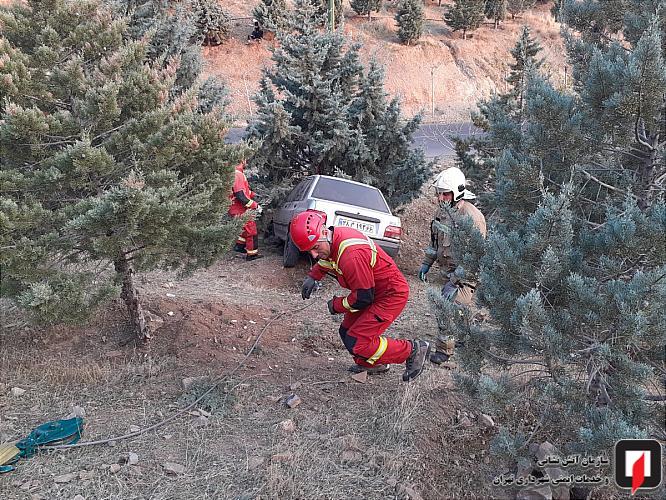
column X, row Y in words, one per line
column 453, row 180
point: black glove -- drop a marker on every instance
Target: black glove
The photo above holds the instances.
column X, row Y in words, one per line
column 309, row 284
column 330, row 306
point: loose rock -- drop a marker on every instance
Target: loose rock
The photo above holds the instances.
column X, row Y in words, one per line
column 134, row 428
column 17, row 391
column 288, row 425
column 293, row 401
column 361, row 377
column 200, row 421
column 486, row 420
column 535, row 493
column 412, row 493
column 174, row 468
column 65, row 478
column 85, row 475
column 114, row 468
column 466, row 422
column 77, row 411
column 546, row 450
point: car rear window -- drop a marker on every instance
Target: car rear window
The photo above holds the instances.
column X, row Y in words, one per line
column 351, row 194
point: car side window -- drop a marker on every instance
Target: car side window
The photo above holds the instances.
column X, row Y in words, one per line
column 298, row 193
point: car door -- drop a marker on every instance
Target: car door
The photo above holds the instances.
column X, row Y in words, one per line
column 290, row 207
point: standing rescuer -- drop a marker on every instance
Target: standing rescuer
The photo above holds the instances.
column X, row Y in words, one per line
column 450, row 188
column 241, row 201
column 378, row 295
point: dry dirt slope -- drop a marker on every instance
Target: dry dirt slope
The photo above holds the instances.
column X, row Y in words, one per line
column 463, row 71
column 381, row 439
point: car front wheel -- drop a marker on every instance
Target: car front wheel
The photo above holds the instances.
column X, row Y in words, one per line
column 290, row 254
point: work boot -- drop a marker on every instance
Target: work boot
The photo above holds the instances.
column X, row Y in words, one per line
column 439, row 357
column 416, row 361
column 253, row 257
column 375, row 370
column 239, row 247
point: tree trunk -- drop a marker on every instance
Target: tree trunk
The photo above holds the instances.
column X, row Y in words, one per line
column 647, row 170
column 130, row 295
column 464, row 34
column 496, row 23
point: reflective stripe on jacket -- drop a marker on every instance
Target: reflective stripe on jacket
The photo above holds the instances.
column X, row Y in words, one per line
column 241, row 194
column 360, row 266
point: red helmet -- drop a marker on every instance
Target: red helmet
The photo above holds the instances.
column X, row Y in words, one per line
column 306, row 229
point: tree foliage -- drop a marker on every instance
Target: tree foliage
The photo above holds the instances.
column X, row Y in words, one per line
column 574, row 272
column 321, row 112
column 516, row 7
column 107, row 169
column 270, row 14
column 365, row 7
column 171, row 30
column 213, row 23
column 465, row 15
column 410, row 17
column 496, row 10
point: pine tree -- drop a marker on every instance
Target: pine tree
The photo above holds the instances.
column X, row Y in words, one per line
column 319, row 113
column 363, row 7
column 500, row 117
column 321, row 8
column 496, row 10
column 465, row 15
column 574, row 272
column 524, row 54
column 516, row 7
column 212, row 21
column 171, row 30
column 270, row 14
column 556, row 9
column 106, row 171
column 410, row 17
column 596, row 20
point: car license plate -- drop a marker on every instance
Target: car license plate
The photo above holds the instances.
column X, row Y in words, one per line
column 364, row 227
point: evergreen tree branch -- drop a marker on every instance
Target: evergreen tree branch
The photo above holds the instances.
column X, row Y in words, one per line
column 604, row 184
column 510, row 361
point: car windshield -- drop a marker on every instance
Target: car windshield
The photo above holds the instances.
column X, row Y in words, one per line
column 351, row 194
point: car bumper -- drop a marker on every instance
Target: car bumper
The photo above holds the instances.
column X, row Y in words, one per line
column 390, row 247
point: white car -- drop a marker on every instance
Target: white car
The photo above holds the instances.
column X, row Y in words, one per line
column 345, row 203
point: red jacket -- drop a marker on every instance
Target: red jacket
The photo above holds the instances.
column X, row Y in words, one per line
column 362, row 267
column 241, row 194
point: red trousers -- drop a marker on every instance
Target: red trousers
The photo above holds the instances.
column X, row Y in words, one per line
column 249, row 238
column 361, row 332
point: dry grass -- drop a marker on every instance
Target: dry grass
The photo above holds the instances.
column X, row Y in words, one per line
column 351, row 440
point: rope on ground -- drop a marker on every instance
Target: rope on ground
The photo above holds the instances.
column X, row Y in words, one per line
column 195, row 402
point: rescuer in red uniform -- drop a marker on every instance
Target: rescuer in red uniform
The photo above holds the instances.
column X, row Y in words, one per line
column 378, row 295
column 241, row 201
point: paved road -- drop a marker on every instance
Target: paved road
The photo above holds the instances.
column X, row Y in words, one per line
column 432, row 137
